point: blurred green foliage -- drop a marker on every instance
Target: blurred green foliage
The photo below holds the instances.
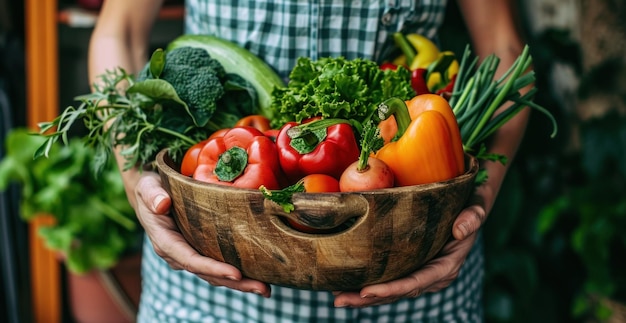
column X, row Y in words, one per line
column 554, row 241
column 94, row 222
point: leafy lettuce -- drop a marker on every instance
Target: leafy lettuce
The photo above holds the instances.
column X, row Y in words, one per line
column 337, row 88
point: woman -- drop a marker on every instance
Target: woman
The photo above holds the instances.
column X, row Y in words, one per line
column 175, row 276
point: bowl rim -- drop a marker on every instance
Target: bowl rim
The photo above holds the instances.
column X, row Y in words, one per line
column 164, row 164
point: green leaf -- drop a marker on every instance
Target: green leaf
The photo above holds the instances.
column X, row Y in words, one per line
column 550, row 213
column 157, row 62
column 94, row 223
column 283, row 197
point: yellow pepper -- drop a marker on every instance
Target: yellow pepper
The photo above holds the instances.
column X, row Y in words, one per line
column 429, row 147
column 418, row 51
column 436, row 80
column 426, row 51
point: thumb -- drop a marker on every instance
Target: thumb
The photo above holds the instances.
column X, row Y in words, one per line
column 468, row 222
column 151, row 193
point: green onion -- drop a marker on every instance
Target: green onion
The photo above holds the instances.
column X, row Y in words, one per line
column 477, row 95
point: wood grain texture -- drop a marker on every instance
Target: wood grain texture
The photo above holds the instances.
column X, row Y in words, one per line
column 391, row 232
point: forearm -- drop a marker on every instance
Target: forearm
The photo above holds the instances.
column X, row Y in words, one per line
column 121, row 35
column 492, row 28
column 120, row 39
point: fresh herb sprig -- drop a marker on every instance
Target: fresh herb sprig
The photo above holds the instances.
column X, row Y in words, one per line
column 477, row 95
column 136, row 121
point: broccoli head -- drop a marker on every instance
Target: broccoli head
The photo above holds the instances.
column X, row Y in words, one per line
column 199, row 87
column 197, row 78
column 203, row 84
column 194, row 57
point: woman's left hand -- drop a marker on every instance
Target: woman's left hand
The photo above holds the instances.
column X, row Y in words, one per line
column 435, row 275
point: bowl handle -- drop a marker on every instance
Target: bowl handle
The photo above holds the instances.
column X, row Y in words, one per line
column 322, row 211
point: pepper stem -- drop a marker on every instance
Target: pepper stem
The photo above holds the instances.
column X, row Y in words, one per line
column 302, row 129
column 231, row 164
column 307, row 136
column 404, row 45
column 396, row 107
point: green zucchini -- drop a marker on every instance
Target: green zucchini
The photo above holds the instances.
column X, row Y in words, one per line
column 238, row 60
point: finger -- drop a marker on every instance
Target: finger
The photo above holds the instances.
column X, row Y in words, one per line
column 468, row 222
column 244, row 285
column 436, row 275
column 151, row 192
column 180, row 256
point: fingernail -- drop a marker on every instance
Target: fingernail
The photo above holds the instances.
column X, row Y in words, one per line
column 463, row 229
column 233, row 278
column 258, row 292
column 157, row 201
column 341, row 305
column 368, row 296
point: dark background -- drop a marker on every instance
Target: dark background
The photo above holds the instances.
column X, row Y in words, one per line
column 554, row 241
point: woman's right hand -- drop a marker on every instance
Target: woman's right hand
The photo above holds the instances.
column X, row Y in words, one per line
column 153, row 211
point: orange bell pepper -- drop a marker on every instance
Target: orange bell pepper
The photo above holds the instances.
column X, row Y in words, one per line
column 428, row 148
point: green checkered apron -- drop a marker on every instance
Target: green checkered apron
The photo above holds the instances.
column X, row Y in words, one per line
column 279, row 32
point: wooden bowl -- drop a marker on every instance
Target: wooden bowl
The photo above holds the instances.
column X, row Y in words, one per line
column 381, row 235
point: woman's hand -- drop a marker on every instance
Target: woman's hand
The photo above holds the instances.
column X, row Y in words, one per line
column 436, row 274
column 152, row 208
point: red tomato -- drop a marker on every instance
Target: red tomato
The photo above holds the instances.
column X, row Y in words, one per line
column 190, row 160
column 257, row 121
column 318, row 183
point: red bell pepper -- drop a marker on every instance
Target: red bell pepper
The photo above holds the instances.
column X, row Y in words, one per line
column 242, row 157
column 320, row 146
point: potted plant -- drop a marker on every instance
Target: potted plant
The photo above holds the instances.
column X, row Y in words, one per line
column 95, row 233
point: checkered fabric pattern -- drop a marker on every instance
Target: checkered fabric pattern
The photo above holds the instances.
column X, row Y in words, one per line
column 279, row 32
column 179, row 296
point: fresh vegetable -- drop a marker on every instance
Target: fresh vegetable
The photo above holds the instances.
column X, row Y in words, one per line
column 94, row 225
column 415, row 106
column 337, row 88
column 257, row 121
column 272, row 134
column 283, row 196
column 431, row 70
column 243, row 157
column 190, row 159
column 313, row 183
column 367, row 173
column 427, row 148
column 418, row 81
column 418, row 49
column 201, row 82
column 238, row 60
column 388, row 66
column 442, row 72
column 150, row 114
column 320, row 183
column 477, row 95
column 320, row 146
